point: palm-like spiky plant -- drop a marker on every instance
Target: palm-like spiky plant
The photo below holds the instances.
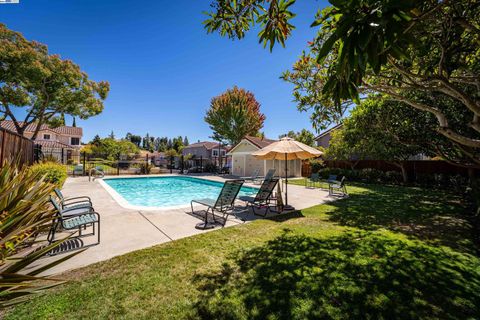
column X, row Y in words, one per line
column 24, row 214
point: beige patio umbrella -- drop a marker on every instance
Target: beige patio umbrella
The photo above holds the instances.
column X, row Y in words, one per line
column 287, row 149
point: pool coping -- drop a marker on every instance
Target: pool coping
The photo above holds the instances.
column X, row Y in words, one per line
column 125, row 204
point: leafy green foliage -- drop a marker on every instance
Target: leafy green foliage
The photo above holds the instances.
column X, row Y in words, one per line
column 234, row 115
column 234, row 18
column 303, row 136
column 416, row 52
column 51, row 172
column 110, row 148
column 25, row 213
column 45, row 85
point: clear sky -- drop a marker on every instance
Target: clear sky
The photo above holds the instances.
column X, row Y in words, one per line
column 162, row 66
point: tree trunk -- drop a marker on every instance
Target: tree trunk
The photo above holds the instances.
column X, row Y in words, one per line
column 404, row 172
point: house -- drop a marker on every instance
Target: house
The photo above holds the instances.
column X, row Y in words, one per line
column 245, row 164
column 63, row 142
column 205, row 152
column 323, row 139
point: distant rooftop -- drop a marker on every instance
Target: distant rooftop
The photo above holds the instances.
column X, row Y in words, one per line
column 64, row 130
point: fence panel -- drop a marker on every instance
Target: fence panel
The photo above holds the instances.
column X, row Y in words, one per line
column 414, row 167
column 13, row 146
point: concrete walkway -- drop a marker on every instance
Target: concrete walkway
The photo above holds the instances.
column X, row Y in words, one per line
column 125, row 230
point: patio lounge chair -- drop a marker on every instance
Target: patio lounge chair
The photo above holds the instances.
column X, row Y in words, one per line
column 255, row 175
column 78, row 170
column 74, row 219
column 314, row 178
column 337, row 186
column 224, row 203
column 73, row 202
column 268, row 176
column 332, row 178
column 263, row 196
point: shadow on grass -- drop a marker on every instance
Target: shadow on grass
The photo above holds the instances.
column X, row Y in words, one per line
column 352, row 276
column 435, row 216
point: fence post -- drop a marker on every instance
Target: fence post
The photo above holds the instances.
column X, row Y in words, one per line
column 146, row 164
column 2, row 149
column 118, row 165
column 84, row 162
column 63, row 156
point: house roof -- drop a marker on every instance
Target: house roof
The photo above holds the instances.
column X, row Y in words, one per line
column 52, row 144
column 209, row 145
column 260, row 142
column 324, row 133
column 64, row 130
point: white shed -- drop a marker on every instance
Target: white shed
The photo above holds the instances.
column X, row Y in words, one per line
column 244, row 163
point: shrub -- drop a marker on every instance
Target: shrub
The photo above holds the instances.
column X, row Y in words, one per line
column 145, row 168
column 316, row 165
column 53, row 172
column 210, row 167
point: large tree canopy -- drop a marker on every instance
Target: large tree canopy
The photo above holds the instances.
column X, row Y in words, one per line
column 43, row 84
column 398, row 48
column 234, row 114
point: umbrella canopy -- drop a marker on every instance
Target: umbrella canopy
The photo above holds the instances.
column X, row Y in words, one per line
column 287, row 149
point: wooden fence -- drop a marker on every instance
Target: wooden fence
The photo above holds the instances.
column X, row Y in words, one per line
column 414, row 167
column 13, row 146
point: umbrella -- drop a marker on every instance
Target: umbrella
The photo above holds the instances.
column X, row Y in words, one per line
column 287, row 149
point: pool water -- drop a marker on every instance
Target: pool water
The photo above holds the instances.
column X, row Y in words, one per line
column 168, row 191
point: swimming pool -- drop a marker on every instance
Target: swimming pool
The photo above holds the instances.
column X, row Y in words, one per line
column 164, row 192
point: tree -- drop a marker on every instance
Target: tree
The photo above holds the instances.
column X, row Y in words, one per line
column 96, row 140
column 74, row 122
column 42, row 84
column 390, row 47
column 235, row 114
column 110, row 148
column 185, row 141
column 112, row 135
column 385, row 130
column 303, row 136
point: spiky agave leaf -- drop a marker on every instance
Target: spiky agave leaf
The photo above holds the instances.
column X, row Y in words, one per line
column 25, row 212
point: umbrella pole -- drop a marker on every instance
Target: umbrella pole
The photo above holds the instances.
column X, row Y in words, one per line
column 286, row 181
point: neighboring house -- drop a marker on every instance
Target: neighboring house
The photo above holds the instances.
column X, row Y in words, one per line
column 63, row 142
column 205, row 152
column 323, row 139
column 245, row 164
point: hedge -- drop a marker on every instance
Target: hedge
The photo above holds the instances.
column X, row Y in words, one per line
column 54, row 173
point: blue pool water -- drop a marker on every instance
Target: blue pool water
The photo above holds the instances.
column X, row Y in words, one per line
column 168, row 191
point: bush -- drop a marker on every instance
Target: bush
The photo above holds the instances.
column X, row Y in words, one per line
column 316, row 165
column 210, row 167
column 53, row 172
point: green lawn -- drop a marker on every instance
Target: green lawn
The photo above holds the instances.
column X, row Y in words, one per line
column 384, row 252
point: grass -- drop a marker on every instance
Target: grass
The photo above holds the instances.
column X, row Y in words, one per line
column 384, row 252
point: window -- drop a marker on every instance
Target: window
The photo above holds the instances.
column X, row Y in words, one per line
column 215, row 152
column 75, row 141
column 46, row 137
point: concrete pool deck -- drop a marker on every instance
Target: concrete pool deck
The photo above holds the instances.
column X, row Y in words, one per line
column 125, row 230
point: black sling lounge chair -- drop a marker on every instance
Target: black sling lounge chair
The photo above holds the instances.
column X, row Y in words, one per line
column 224, row 203
column 263, row 196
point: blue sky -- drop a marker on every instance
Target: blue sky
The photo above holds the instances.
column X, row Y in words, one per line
column 162, row 66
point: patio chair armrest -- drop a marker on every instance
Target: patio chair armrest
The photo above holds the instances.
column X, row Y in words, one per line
column 76, row 198
column 73, row 209
column 199, row 202
column 67, row 205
